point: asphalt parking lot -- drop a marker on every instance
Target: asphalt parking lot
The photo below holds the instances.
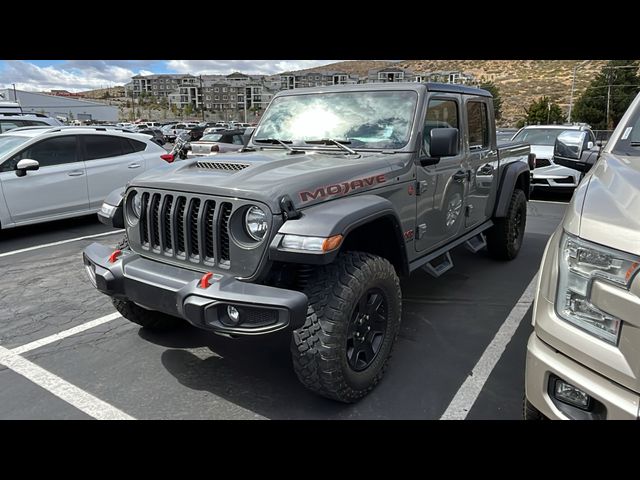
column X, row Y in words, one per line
column 65, row 354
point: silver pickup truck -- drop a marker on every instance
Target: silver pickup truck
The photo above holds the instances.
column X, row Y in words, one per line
column 583, row 358
column 339, row 191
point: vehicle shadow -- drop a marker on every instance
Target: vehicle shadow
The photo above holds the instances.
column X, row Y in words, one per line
column 255, row 373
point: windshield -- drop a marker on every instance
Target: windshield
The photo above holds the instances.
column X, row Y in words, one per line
column 365, row 119
column 629, row 141
column 538, row 136
column 213, row 137
column 9, row 142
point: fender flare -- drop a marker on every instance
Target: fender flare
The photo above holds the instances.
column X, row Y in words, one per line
column 507, row 185
column 336, row 217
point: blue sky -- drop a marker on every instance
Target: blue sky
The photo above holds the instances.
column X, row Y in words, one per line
column 78, row 75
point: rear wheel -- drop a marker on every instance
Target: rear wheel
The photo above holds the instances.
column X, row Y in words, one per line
column 353, row 318
column 504, row 239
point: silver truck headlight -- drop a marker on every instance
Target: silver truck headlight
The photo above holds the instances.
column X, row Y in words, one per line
column 582, row 262
column 255, row 223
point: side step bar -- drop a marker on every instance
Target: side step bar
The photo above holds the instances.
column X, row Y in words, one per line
column 477, row 243
column 439, row 265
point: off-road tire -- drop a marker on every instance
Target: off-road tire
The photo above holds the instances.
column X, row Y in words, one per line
column 148, row 319
column 319, row 348
column 529, row 412
column 504, row 239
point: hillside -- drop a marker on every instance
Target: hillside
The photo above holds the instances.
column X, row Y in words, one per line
column 520, row 81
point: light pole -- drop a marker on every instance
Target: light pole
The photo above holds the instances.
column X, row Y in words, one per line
column 202, row 97
column 245, row 105
column 573, row 87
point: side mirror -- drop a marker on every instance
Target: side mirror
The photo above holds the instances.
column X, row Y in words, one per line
column 25, row 165
column 568, row 149
column 444, row 143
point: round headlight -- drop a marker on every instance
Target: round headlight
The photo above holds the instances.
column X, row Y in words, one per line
column 255, row 222
column 136, row 204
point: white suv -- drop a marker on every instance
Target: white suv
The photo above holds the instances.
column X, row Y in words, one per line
column 9, row 121
column 52, row 173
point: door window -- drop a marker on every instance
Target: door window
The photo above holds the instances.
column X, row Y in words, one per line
column 102, row 146
column 440, row 114
column 478, row 123
column 50, row 152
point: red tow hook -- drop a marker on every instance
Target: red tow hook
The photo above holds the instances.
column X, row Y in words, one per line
column 114, row 256
column 204, row 281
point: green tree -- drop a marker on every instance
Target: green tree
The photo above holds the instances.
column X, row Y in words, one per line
column 542, row 112
column 618, row 83
column 188, row 110
column 497, row 99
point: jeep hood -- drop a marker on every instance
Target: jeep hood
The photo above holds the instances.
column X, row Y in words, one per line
column 611, row 209
column 267, row 175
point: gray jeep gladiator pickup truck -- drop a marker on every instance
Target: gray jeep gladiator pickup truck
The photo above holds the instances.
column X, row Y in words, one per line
column 339, row 191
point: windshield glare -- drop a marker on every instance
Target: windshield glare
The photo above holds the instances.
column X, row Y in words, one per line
column 375, row 120
column 9, row 142
column 538, row 136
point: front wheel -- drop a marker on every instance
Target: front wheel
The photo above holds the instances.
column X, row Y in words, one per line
column 353, row 319
column 504, row 239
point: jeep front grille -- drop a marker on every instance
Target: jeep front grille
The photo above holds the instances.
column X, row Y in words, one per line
column 186, row 228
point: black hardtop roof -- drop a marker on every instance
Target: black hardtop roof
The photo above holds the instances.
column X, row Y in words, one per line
column 430, row 86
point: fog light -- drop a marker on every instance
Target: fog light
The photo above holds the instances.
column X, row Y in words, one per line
column 91, row 272
column 234, row 314
column 567, row 393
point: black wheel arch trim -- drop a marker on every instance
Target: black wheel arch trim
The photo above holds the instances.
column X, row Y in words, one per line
column 337, row 217
column 508, row 183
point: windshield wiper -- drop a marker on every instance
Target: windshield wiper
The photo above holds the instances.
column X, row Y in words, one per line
column 275, row 141
column 331, row 141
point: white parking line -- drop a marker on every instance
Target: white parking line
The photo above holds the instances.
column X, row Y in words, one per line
column 64, row 334
column 62, row 389
column 53, row 244
column 467, row 394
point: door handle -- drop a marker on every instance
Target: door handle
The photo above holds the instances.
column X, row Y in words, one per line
column 459, row 176
column 134, row 165
column 75, row 173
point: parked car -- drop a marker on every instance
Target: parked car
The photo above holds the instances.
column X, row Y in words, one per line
column 210, row 130
column 310, row 227
column 226, row 141
column 9, row 121
column 583, row 358
column 53, row 173
column 548, row 175
column 156, row 135
column 504, row 135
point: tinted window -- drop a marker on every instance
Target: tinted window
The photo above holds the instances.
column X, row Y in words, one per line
column 127, row 147
column 478, row 123
column 101, row 146
column 137, row 146
column 35, row 123
column 237, row 139
column 440, row 114
column 50, row 152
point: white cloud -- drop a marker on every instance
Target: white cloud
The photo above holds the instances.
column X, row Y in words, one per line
column 73, row 76
column 224, row 67
column 79, row 75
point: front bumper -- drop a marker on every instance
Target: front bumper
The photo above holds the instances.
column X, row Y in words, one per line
column 176, row 291
column 543, row 362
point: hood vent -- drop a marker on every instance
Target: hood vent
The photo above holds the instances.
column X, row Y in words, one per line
column 225, row 166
